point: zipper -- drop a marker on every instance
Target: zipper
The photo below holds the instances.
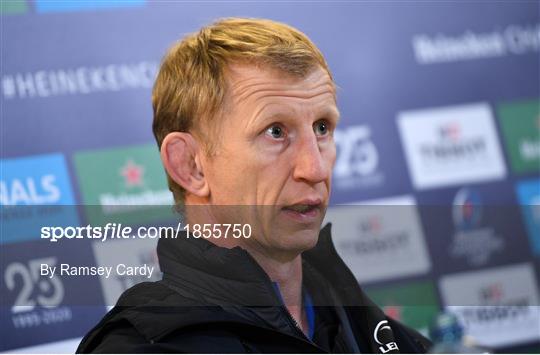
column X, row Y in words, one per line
column 293, row 323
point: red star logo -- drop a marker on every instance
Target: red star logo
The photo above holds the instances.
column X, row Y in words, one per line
column 132, row 173
column 393, row 312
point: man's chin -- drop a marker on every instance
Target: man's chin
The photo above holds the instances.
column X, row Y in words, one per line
column 298, row 241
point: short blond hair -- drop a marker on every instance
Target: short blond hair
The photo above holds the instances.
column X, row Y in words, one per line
column 190, row 88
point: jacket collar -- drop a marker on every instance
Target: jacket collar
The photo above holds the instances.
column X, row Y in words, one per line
column 217, row 275
column 213, row 275
column 232, row 276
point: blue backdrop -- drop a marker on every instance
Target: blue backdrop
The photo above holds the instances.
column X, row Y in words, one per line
column 440, row 113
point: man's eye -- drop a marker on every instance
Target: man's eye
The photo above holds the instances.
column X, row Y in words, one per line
column 320, row 128
column 275, row 131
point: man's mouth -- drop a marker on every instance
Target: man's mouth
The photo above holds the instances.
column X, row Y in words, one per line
column 304, row 211
column 302, row 208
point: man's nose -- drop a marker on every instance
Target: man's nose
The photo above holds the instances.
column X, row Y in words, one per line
column 309, row 162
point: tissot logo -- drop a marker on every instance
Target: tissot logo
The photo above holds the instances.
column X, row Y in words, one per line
column 491, row 294
column 370, row 225
column 380, row 240
column 370, row 233
column 451, row 145
column 450, row 131
column 357, row 159
column 496, row 306
column 472, row 241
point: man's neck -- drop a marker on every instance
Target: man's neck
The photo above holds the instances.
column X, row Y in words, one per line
column 285, row 270
column 288, row 276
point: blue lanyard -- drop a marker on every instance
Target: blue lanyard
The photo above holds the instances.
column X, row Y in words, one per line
column 310, row 314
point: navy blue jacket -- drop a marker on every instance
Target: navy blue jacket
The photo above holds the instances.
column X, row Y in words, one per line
column 218, row 300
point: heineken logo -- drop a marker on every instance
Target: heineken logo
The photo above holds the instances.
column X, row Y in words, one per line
column 520, row 124
column 133, row 174
column 125, row 184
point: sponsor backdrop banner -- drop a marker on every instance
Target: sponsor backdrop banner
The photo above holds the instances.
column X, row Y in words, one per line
column 436, row 188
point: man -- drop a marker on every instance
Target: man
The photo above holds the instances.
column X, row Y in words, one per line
column 244, row 114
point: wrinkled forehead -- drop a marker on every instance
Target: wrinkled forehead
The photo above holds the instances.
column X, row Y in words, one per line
column 250, row 82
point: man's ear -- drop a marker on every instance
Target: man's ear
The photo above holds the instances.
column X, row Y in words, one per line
column 180, row 154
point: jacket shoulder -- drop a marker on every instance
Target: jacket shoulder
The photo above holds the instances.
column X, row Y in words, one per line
column 151, row 317
column 117, row 332
column 123, row 338
column 144, row 293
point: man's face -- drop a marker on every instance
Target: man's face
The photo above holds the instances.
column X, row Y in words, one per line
column 275, row 156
